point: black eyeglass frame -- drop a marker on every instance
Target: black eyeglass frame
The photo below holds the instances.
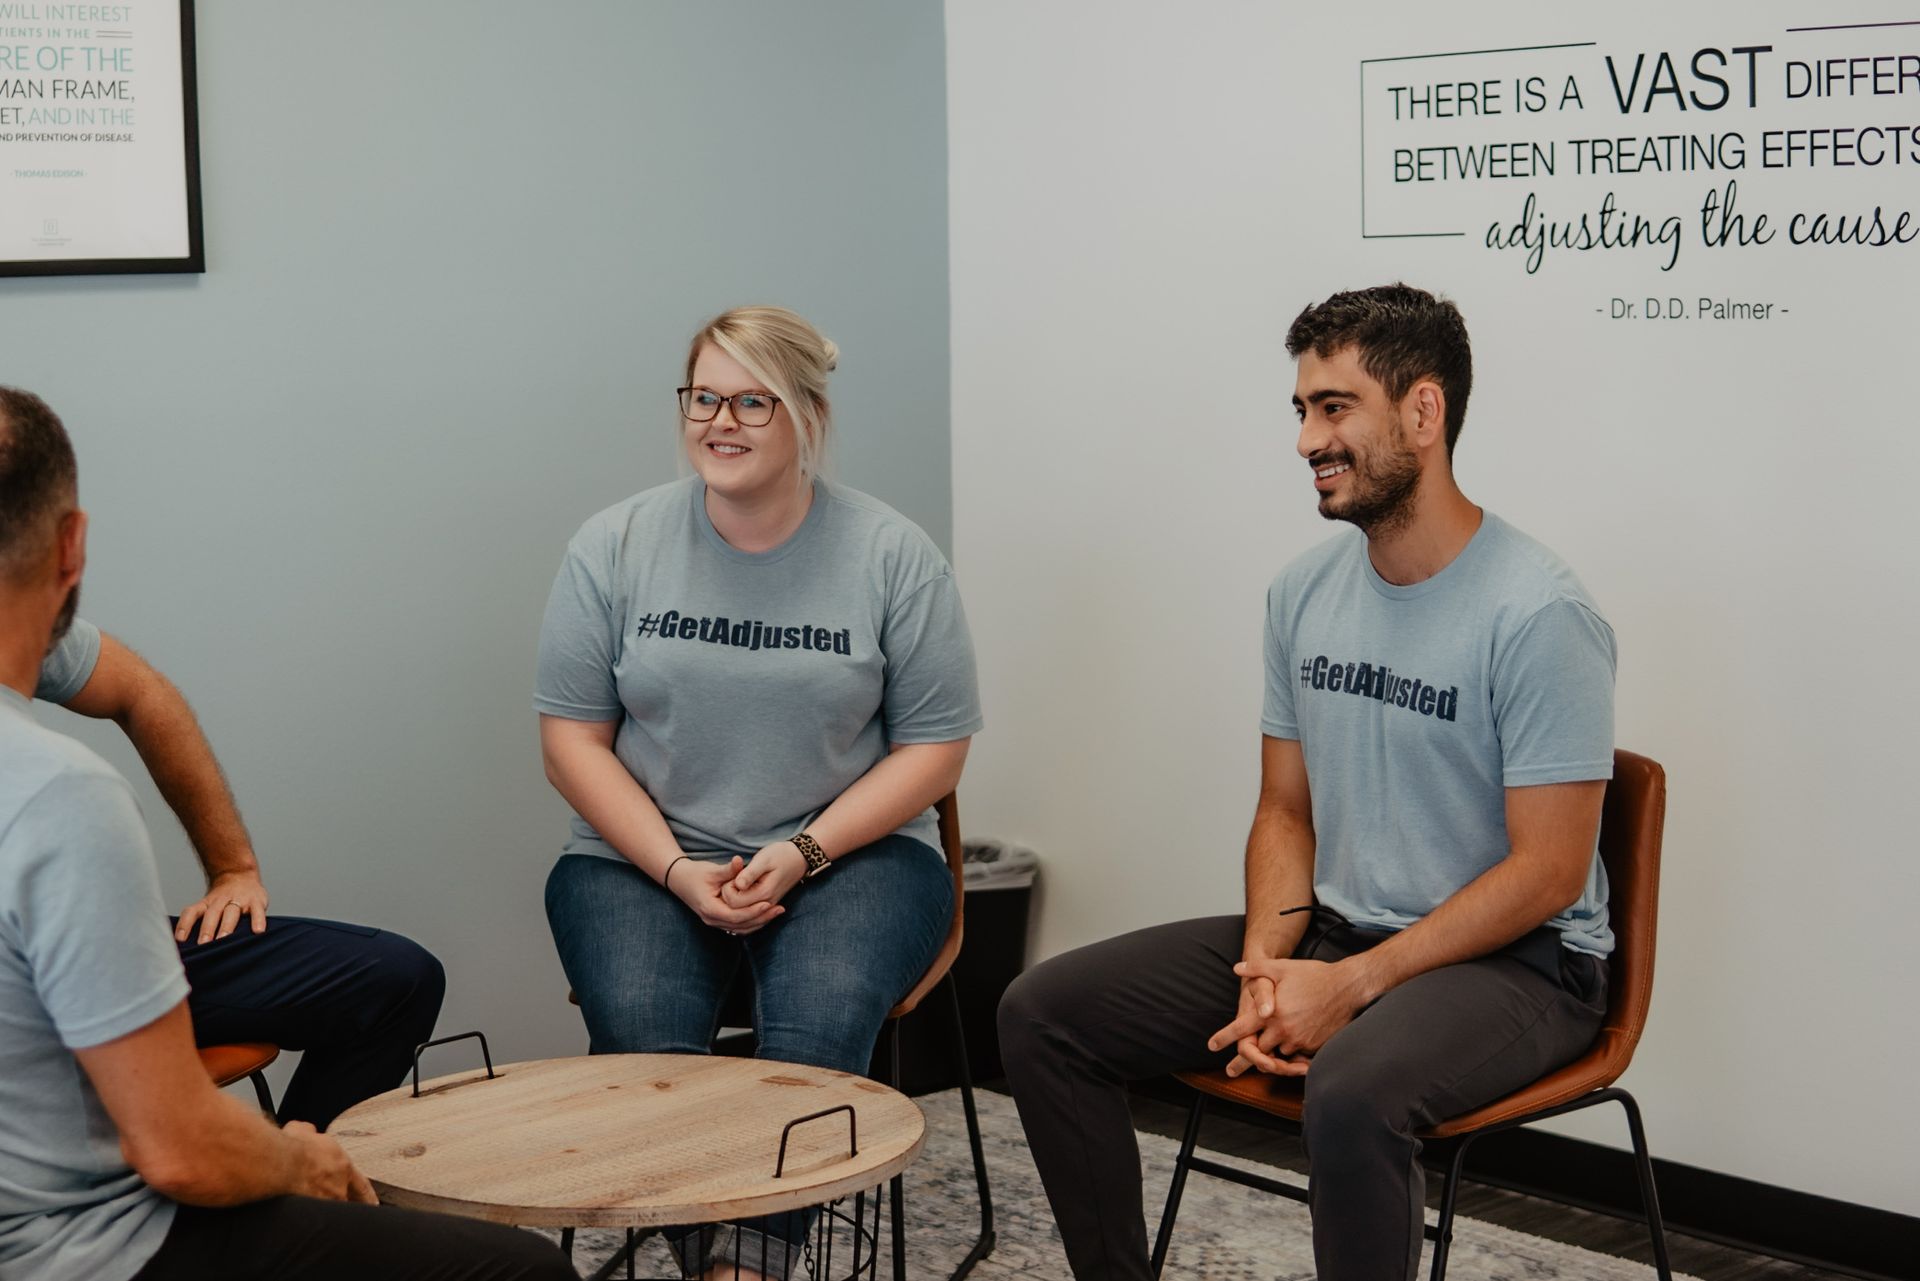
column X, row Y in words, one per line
column 686, row 405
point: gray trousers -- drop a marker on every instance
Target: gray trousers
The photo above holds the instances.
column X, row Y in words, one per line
column 1076, row 1029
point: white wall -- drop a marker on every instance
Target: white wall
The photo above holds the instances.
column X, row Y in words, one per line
column 1143, row 195
column 454, row 251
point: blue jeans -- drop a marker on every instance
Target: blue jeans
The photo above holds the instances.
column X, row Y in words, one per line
column 651, row 975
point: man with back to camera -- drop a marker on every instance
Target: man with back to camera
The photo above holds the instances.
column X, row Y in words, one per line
column 1426, row 912
column 134, row 1166
column 354, row 1000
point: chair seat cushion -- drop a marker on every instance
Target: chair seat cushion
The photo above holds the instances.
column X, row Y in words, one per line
column 229, row 1063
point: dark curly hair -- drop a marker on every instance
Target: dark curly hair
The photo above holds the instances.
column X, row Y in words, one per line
column 1403, row 334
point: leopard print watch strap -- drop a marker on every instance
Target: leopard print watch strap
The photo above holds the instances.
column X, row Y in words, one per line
column 817, row 861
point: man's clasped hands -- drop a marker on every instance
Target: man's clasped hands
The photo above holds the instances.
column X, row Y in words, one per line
column 1288, row 1010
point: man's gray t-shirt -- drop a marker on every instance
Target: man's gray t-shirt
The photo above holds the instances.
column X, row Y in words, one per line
column 753, row 688
column 69, row 665
column 1417, row 707
column 85, row 958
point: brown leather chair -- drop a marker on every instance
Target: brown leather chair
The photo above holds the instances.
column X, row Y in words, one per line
column 1630, row 830
column 227, row 1064
column 948, row 811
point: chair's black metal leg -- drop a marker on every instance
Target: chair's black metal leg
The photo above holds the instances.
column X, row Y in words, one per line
column 261, row 1092
column 1179, row 1184
column 566, row 1243
column 983, row 1245
column 1643, row 1165
column 897, row 1189
column 1443, row 1230
column 631, row 1246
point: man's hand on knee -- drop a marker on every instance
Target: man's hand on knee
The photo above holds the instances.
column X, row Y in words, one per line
column 233, row 897
column 1312, row 1000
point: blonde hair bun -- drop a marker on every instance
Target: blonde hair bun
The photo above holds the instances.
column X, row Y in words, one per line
column 831, row 350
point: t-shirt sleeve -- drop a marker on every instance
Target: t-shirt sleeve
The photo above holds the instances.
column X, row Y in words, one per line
column 90, row 921
column 66, row 670
column 1276, row 715
column 932, row 691
column 578, row 640
column 1553, row 698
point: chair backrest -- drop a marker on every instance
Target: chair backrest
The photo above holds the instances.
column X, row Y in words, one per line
column 948, row 810
column 1631, row 827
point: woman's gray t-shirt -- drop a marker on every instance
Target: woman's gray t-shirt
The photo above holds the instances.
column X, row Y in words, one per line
column 753, row 688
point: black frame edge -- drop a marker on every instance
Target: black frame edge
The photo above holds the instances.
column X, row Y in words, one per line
column 195, row 262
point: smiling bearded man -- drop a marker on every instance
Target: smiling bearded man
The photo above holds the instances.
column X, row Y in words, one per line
column 1438, row 732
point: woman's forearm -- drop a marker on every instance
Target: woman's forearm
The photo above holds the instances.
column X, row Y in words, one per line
column 887, row 797
column 582, row 768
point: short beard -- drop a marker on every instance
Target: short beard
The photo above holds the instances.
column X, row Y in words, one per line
column 64, row 619
column 1382, row 504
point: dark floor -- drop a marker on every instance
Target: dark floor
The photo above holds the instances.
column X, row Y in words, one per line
column 1602, row 1232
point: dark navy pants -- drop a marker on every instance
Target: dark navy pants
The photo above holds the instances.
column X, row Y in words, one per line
column 354, row 1000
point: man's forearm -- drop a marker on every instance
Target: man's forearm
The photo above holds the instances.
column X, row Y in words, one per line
column 192, row 1143
column 1500, row 905
column 1552, row 828
column 1279, row 876
column 1280, row 853
column 156, row 719
column 168, row 738
column 231, row 1156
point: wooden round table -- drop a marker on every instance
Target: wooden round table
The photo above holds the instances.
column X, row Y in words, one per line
column 630, row 1140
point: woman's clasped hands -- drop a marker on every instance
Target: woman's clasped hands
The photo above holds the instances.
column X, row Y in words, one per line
column 739, row 896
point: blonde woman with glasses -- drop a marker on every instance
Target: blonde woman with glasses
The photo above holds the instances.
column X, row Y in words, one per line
column 753, row 685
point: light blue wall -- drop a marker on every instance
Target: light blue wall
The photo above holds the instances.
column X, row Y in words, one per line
column 455, row 248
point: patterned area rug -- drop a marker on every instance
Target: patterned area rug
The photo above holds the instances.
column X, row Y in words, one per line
column 1225, row 1232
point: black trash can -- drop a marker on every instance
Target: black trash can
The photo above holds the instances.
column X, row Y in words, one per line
column 999, row 881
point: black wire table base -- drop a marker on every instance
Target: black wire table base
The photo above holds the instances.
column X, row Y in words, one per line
column 843, row 1245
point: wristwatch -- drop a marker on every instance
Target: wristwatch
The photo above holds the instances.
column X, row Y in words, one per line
column 817, row 861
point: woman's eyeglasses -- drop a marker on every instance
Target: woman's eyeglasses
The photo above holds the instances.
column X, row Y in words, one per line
column 750, row 408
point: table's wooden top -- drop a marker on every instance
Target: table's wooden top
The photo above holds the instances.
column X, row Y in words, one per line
column 627, row 1140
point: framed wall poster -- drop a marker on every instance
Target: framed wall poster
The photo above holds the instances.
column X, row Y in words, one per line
column 99, row 145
